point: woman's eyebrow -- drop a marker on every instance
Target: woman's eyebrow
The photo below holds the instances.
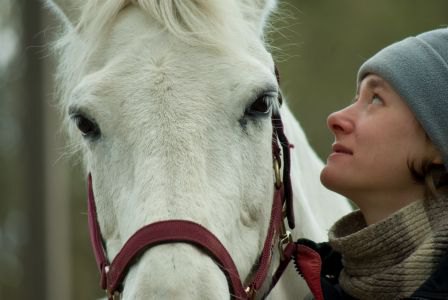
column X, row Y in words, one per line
column 375, row 82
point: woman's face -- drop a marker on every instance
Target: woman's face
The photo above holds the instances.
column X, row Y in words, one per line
column 375, row 139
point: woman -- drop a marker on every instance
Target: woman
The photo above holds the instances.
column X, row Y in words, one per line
column 390, row 157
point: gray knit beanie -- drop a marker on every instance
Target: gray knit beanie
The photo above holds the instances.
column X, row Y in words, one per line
column 417, row 68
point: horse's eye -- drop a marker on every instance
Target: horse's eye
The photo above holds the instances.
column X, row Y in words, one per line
column 262, row 106
column 87, row 127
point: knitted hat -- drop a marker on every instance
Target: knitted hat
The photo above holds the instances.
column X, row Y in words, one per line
column 417, row 69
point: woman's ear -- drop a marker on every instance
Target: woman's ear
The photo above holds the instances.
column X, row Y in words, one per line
column 68, row 11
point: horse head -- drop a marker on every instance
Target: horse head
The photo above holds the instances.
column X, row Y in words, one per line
column 170, row 104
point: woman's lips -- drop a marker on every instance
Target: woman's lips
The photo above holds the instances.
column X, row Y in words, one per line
column 341, row 149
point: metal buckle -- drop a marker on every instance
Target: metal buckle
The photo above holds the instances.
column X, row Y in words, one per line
column 115, row 296
column 285, row 236
column 278, row 177
column 284, row 239
column 250, row 292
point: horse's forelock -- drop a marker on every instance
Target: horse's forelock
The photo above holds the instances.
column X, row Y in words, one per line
column 205, row 21
column 200, row 19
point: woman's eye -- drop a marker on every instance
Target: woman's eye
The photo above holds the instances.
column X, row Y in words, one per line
column 261, row 106
column 376, row 100
column 87, row 127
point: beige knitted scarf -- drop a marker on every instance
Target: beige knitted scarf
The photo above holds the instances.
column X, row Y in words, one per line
column 392, row 258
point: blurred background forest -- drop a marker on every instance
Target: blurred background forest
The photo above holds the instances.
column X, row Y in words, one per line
column 44, row 245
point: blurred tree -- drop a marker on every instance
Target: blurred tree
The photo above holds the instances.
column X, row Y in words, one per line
column 12, row 219
column 32, row 152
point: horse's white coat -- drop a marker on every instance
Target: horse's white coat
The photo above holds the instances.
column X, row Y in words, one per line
column 168, row 83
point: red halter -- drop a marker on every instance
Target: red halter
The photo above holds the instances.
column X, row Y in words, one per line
column 182, row 231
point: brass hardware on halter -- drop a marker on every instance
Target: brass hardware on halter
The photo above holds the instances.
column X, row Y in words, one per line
column 115, row 296
column 278, row 177
column 284, row 240
column 285, row 236
column 250, row 292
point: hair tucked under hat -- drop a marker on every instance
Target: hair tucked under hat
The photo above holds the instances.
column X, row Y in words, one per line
column 417, row 68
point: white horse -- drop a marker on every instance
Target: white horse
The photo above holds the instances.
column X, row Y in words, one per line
column 170, row 103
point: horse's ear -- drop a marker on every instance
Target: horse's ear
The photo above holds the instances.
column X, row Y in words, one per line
column 257, row 12
column 68, row 11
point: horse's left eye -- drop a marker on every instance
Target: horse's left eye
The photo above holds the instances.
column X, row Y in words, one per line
column 86, row 126
column 261, row 106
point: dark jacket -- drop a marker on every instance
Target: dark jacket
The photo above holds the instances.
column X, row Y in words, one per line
column 320, row 266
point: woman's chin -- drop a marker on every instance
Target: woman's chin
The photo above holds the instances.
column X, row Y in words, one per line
column 330, row 179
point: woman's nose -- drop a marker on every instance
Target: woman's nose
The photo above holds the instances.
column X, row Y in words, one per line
column 340, row 122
